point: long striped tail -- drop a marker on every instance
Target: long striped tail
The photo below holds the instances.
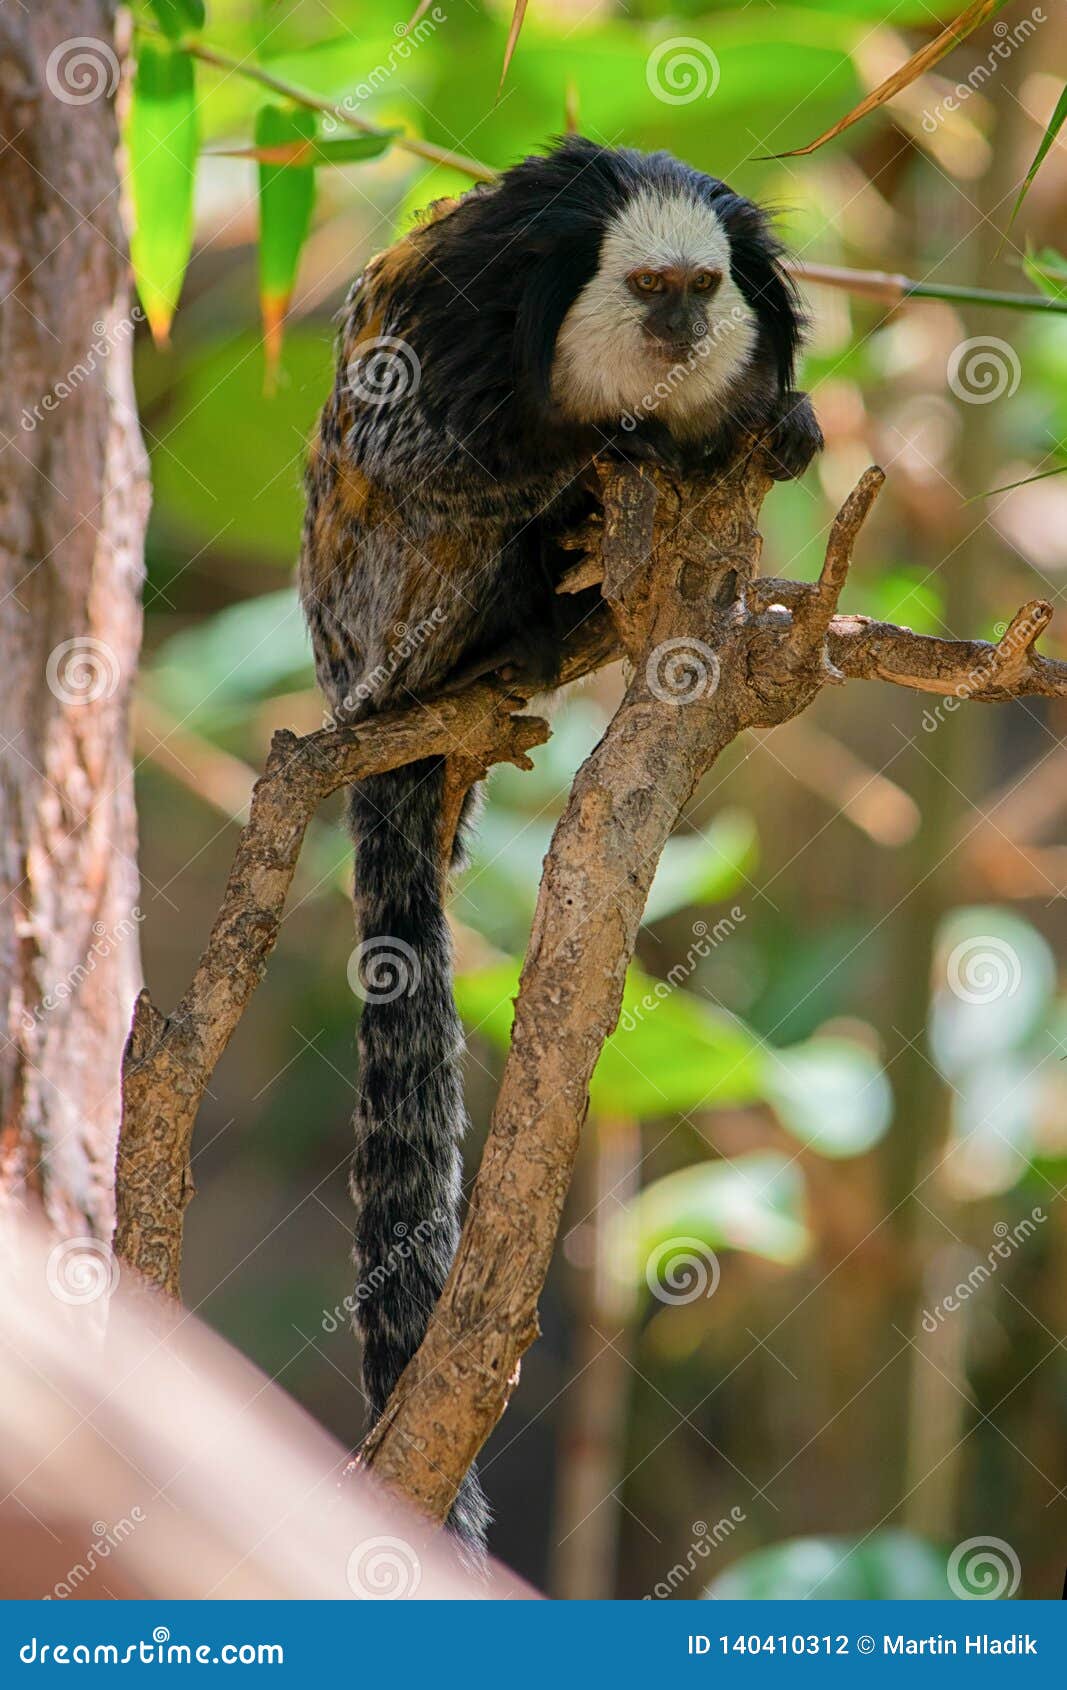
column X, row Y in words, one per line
column 410, row 1115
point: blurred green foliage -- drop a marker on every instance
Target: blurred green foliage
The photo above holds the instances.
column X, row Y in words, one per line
column 793, row 1029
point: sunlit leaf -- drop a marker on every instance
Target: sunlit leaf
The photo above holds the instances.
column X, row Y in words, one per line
column 902, row 595
column 669, row 1052
column 1056, row 122
column 830, row 1093
column 752, row 1203
column 887, row 1565
column 286, row 198
column 162, row 141
column 928, row 56
column 228, row 476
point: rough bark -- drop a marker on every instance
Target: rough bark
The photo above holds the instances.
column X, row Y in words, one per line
column 714, row 649
column 170, row 1059
column 72, row 510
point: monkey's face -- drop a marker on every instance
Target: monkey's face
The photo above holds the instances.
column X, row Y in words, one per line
column 674, row 300
column 662, row 327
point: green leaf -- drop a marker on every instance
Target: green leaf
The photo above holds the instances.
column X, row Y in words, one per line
column 705, row 867
column 162, row 141
column 1055, row 124
column 829, row 1093
column 228, row 475
column 753, row 1203
column 286, row 198
column 177, row 16
column 885, row 1566
column 346, row 149
column 669, row 1053
column 902, row 595
column 1047, row 270
column 249, row 651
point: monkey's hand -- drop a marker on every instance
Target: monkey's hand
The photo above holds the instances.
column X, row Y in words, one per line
column 794, row 437
column 651, row 442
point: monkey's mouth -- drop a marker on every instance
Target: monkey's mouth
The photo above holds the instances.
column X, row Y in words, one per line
column 673, row 351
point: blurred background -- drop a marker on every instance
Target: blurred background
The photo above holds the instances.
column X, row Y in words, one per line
column 804, row 1332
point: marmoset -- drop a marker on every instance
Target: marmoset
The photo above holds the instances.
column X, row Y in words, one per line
column 591, row 300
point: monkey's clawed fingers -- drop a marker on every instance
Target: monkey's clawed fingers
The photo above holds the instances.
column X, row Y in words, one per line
column 794, row 439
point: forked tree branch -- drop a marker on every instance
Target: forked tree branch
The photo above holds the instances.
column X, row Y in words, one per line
column 714, row 649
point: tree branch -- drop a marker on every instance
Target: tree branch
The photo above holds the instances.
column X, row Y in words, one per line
column 714, row 649
column 169, row 1060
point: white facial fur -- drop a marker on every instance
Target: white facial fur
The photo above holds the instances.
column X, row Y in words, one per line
column 605, row 368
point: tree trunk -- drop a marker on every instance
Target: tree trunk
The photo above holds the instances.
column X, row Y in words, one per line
column 73, row 502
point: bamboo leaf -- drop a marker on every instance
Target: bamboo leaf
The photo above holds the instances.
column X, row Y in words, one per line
column 1056, row 122
column 176, row 16
column 417, row 15
column 1047, row 270
column 346, row 149
column 162, row 142
column 962, row 26
column 286, row 197
column 1010, row 486
column 518, row 17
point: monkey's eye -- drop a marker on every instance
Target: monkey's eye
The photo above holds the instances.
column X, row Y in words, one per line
column 705, row 280
column 646, row 281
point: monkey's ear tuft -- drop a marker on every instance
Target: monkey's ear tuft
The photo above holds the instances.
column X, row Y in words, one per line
column 755, row 264
column 555, row 279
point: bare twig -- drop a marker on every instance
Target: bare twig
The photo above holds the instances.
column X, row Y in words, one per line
column 253, row 72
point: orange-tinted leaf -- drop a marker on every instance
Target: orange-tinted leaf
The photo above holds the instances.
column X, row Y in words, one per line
column 161, row 136
column 967, row 21
column 286, row 197
column 518, row 17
